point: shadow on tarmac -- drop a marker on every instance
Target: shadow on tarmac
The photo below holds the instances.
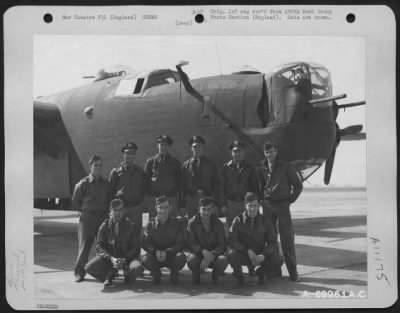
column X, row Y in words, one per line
column 56, row 244
column 322, row 226
column 227, row 287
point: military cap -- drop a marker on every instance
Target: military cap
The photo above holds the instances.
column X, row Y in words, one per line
column 205, row 201
column 161, row 199
column 116, row 203
column 236, row 144
column 165, row 138
column 196, row 139
column 129, row 145
column 250, row 197
column 268, row 145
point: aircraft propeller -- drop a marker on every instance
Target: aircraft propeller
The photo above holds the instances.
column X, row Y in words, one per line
column 349, row 133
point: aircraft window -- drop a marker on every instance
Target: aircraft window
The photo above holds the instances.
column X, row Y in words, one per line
column 320, row 80
column 160, row 79
column 295, row 74
column 139, row 85
column 129, row 87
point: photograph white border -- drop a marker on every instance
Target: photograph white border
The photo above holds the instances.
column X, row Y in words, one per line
column 374, row 23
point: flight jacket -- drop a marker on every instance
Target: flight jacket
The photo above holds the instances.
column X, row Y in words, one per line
column 125, row 244
column 199, row 239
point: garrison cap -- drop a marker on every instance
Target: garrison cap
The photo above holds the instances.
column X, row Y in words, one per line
column 129, row 145
column 161, row 199
column 116, row 203
column 268, row 145
column 196, row 139
column 206, row 201
column 165, row 138
column 236, row 144
column 250, row 197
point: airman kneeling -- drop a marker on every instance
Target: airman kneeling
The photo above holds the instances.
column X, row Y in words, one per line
column 253, row 241
column 117, row 248
column 163, row 240
column 207, row 242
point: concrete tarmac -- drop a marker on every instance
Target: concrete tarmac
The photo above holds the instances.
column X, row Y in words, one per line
column 331, row 246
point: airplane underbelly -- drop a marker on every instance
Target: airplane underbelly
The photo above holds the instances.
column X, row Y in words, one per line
column 51, row 177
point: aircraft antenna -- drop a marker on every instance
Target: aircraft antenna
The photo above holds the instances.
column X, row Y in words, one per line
column 219, row 60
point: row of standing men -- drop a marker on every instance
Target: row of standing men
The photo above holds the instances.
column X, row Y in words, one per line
column 275, row 183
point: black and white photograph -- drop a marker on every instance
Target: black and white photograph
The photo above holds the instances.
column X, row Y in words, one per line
column 177, row 167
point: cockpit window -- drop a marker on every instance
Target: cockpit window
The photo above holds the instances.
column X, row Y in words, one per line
column 139, row 85
column 126, row 87
column 320, row 80
column 140, row 82
column 160, row 78
column 319, row 77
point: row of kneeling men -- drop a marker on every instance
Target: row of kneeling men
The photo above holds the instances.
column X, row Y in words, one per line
column 251, row 242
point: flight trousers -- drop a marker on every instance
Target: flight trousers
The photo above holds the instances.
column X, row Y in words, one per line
column 175, row 262
column 278, row 213
column 219, row 265
column 99, row 268
column 238, row 258
column 88, row 227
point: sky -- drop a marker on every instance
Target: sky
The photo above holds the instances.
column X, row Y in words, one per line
column 60, row 62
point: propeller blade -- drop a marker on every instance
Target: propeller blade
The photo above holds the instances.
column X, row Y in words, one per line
column 182, row 63
column 329, row 167
column 353, row 137
column 350, row 130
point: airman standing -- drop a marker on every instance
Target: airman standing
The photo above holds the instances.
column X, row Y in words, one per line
column 279, row 186
column 128, row 183
column 90, row 197
column 199, row 178
column 238, row 177
column 163, row 173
